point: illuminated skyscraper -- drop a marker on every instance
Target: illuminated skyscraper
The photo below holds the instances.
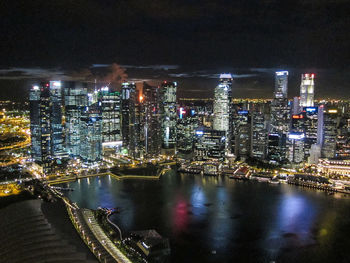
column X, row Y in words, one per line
column 46, row 121
column 295, row 144
column 222, row 104
column 281, row 84
column 240, row 137
column 259, row 137
column 56, row 118
column 296, row 105
column 222, row 108
column 307, row 90
column 186, row 126
column 75, row 101
column 330, row 132
column 279, row 107
column 128, row 116
column 168, row 116
column 110, row 113
column 90, row 134
column 280, row 116
column 209, row 144
column 150, row 123
column 39, row 98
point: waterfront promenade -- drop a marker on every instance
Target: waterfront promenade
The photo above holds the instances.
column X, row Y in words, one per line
column 116, row 176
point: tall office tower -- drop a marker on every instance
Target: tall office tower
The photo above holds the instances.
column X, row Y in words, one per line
column 330, row 132
column 320, row 117
column 295, row 144
column 277, row 149
column 138, row 126
column 56, row 118
column 281, row 84
column 39, row 98
column 209, row 144
column 258, row 145
column 187, row 124
column 298, row 122
column 90, row 134
column 280, row 116
column 315, row 154
column 279, row 105
column 128, row 116
column 296, row 105
column 75, row 102
column 307, row 90
column 150, row 123
column 46, row 122
column 311, row 128
column 110, row 113
column 343, row 138
column 240, row 138
column 168, row 116
column 223, row 105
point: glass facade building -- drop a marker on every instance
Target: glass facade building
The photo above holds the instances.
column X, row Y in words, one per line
column 75, row 103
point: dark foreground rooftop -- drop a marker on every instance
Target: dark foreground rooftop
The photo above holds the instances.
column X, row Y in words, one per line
column 36, row 231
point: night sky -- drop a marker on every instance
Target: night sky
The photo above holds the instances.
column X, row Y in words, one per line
column 188, row 41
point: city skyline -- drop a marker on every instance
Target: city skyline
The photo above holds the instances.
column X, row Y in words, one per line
column 174, row 131
column 248, row 83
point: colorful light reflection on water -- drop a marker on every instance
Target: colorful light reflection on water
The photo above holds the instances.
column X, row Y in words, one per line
column 222, row 220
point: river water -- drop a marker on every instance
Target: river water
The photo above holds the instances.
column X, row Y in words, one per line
column 209, row 219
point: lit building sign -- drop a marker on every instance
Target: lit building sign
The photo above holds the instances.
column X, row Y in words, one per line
column 297, row 116
column 310, row 109
column 296, row 136
column 281, row 73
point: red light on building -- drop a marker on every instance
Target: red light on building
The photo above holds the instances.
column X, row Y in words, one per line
column 312, row 75
column 47, row 84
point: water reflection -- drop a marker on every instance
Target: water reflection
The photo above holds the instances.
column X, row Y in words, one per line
column 239, row 221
